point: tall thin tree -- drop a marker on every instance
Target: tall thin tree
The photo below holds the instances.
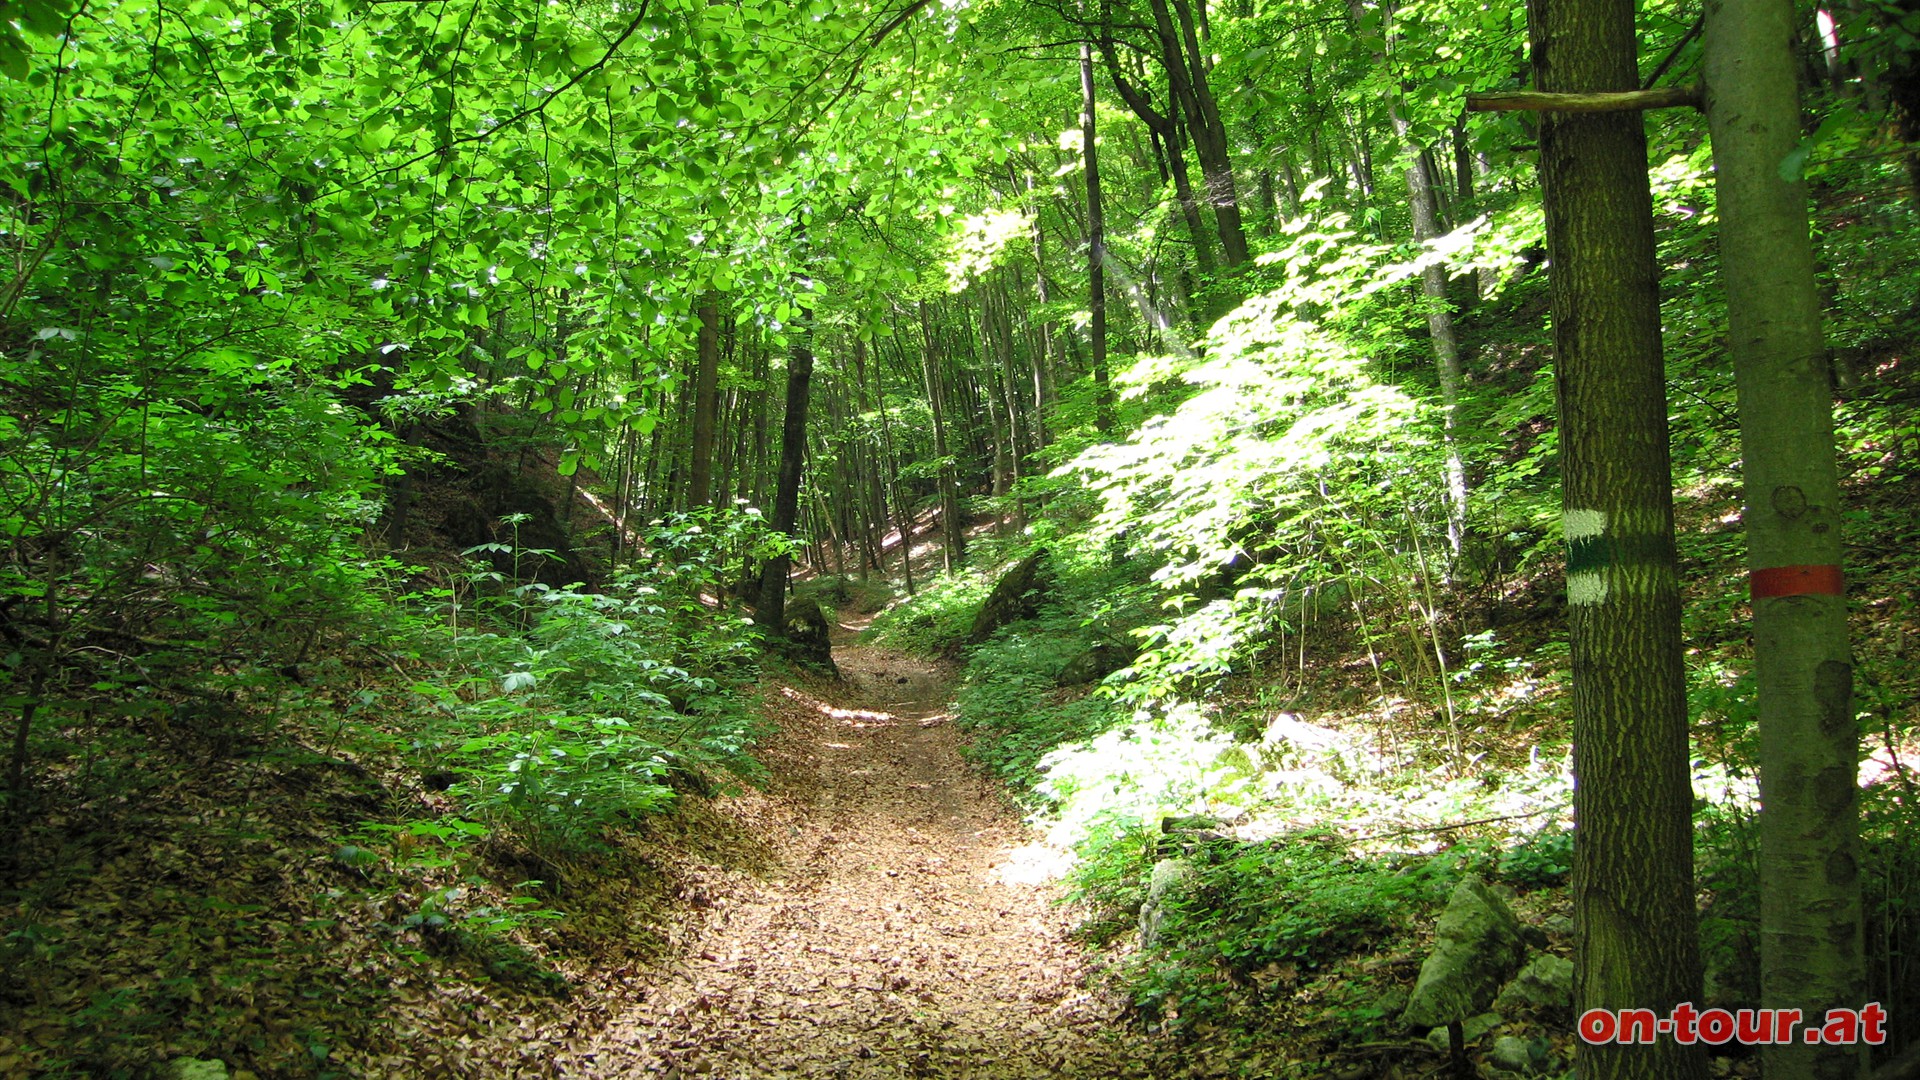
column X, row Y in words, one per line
column 1635, row 944
column 1096, row 247
column 1811, row 955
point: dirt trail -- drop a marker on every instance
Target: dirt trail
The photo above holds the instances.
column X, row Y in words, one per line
column 882, row 941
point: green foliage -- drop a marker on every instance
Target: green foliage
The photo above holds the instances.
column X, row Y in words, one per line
column 938, row 618
column 1299, row 902
column 1287, row 472
column 1541, row 860
column 561, row 779
column 575, row 722
column 1011, row 705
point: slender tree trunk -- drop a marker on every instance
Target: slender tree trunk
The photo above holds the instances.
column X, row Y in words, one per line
column 1811, row 932
column 953, row 551
column 771, row 612
column 903, row 507
column 1168, row 127
column 875, row 489
column 1635, row 945
column 1042, row 356
column 706, row 382
column 1446, row 345
column 1096, row 248
column 1187, row 68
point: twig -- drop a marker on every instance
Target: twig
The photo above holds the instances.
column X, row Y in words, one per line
column 1554, row 809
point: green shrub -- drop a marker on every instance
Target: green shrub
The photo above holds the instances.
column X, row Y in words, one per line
column 1541, row 860
column 1010, row 705
column 937, row 618
column 1302, row 902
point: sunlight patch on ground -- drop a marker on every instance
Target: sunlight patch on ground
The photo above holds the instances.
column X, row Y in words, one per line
column 1033, row 864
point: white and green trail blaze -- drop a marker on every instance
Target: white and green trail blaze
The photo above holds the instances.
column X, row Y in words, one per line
column 1589, row 553
column 1607, row 555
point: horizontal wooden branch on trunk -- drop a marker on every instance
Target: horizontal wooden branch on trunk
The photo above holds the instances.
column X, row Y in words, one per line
column 1665, row 97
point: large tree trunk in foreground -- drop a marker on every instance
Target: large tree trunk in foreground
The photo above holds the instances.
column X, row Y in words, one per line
column 1635, row 945
column 1811, row 952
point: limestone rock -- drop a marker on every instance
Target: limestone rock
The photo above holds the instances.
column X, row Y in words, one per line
column 809, row 638
column 1477, row 945
column 187, row 1068
column 1168, row 876
column 1017, row 596
column 1471, row 1029
column 1546, row 983
column 1100, row 660
column 1527, row 1057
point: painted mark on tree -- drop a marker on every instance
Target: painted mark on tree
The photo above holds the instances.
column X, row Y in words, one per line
column 1589, row 553
column 1797, row 581
column 1603, row 561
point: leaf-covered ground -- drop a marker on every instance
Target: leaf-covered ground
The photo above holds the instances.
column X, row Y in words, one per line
column 884, row 938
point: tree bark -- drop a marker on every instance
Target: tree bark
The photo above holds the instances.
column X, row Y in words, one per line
column 1186, row 68
column 903, row 507
column 1446, row 344
column 1635, row 944
column 1811, row 930
column 706, row 382
column 1167, row 127
column 1043, row 355
column 1096, row 249
column 953, row 551
column 770, row 615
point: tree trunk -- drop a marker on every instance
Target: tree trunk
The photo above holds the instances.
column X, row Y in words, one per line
column 1167, row 126
column 1042, row 356
column 1635, row 945
column 953, row 551
column 706, row 382
column 1187, row 69
column 1096, row 249
column 770, row 615
column 1446, row 345
column 903, row 508
column 1811, row 933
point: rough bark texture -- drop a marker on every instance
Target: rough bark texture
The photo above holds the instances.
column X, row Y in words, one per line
column 1811, row 955
column 1634, row 926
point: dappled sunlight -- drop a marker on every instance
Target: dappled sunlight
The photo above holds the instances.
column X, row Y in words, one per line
column 858, row 718
column 1034, row 864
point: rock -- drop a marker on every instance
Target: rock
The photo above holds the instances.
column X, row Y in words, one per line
column 1098, row 661
column 1524, row 1056
column 809, row 638
column 196, row 1069
column 1168, row 876
column 1477, row 946
column 1561, row 925
column 1017, row 596
column 1471, row 1029
column 1546, row 983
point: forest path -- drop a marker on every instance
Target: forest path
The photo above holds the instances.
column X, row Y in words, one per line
column 883, row 936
